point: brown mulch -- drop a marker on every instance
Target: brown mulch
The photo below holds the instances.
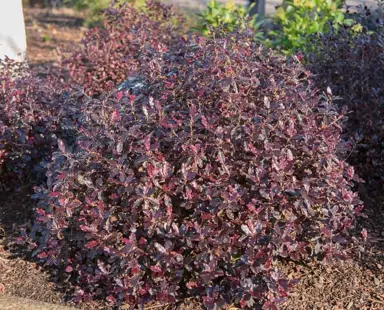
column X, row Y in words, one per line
column 354, row 284
column 343, row 285
column 18, row 276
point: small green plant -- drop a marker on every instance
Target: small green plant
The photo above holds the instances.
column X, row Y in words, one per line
column 227, row 15
column 298, row 20
column 46, row 38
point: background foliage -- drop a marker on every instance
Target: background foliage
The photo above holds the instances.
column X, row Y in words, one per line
column 297, row 20
column 112, row 53
column 352, row 63
column 228, row 16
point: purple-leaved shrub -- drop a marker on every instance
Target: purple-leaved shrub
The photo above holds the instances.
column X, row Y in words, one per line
column 224, row 163
column 111, row 53
column 30, row 113
column 351, row 62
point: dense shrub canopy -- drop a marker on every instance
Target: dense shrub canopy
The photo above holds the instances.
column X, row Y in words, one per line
column 30, row 113
column 112, row 52
column 196, row 185
column 35, row 111
column 351, row 62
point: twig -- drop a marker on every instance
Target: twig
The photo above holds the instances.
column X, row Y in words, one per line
column 375, row 300
column 156, row 306
column 3, row 263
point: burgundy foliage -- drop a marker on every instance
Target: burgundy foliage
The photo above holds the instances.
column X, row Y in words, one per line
column 199, row 184
column 111, row 53
column 352, row 64
column 29, row 118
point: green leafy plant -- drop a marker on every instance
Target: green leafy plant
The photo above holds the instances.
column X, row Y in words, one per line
column 226, row 15
column 46, row 38
column 298, row 20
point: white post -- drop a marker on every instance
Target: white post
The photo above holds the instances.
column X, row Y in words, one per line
column 13, row 42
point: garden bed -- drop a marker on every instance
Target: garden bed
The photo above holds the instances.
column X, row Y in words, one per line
column 354, row 284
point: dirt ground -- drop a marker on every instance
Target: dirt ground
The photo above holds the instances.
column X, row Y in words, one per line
column 351, row 285
column 49, row 30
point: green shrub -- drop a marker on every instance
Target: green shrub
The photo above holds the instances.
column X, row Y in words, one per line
column 228, row 16
column 297, row 20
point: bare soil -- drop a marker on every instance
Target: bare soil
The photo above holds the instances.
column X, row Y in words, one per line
column 351, row 285
column 49, row 30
